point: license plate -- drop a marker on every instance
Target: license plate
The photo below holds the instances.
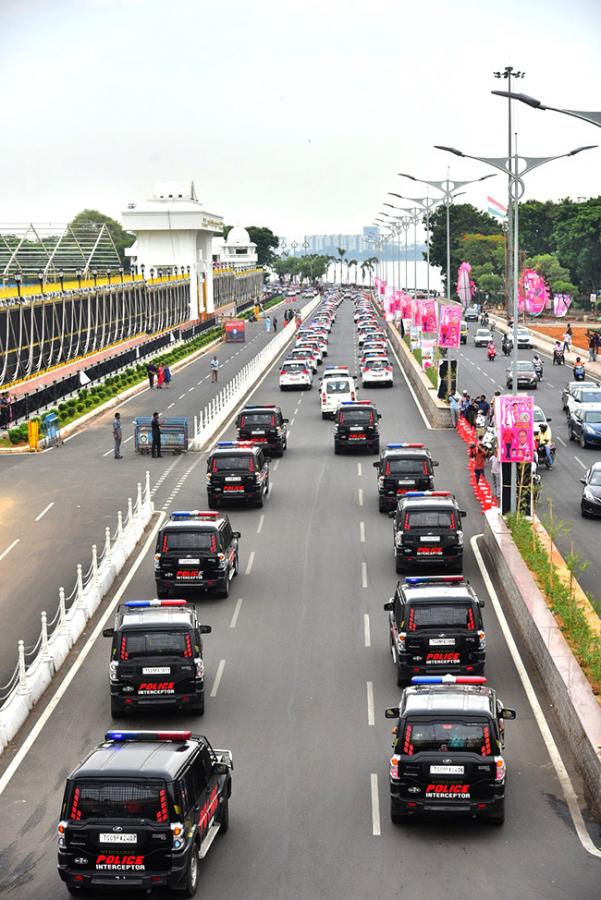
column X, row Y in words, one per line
column 233, row 478
column 118, row 838
column 442, row 642
column 188, row 562
column 447, row 770
column 156, row 670
column 355, row 428
column 258, row 432
column 430, row 551
column 234, row 487
column 405, row 481
column 429, row 539
column 356, row 437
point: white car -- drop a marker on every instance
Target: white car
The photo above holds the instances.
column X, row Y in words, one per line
column 295, row 375
column 582, row 395
column 482, row 337
column 377, row 371
column 538, row 419
column 333, row 391
column 304, row 356
column 313, row 346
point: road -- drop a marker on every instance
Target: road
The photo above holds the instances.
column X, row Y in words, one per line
column 292, row 667
column 55, row 505
column 561, row 484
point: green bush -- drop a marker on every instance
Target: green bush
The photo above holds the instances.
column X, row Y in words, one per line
column 14, row 435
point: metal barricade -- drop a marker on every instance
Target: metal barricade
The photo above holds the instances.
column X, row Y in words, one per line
column 174, row 434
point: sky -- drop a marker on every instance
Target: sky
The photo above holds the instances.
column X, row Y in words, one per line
column 293, row 115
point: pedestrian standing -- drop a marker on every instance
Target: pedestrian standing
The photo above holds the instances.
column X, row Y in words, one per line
column 464, row 405
column 592, row 347
column 267, row 324
column 117, row 435
column 151, row 371
column 275, row 324
column 167, row 376
column 160, row 376
column 214, row 364
column 491, row 416
column 567, row 339
column 454, row 407
column 478, row 454
column 156, row 436
column 495, row 471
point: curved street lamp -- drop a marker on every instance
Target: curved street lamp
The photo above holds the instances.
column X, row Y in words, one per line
column 593, row 118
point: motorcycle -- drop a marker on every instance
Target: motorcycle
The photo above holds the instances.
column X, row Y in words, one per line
column 579, row 373
column 558, row 357
column 541, row 456
column 492, row 353
column 538, row 371
column 507, row 347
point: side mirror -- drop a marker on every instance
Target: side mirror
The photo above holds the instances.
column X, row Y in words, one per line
column 392, row 514
column 236, row 534
column 392, row 712
column 221, row 768
column 507, row 713
column 379, row 416
column 549, row 419
column 583, row 481
column 205, row 629
column 108, row 632
column 462, row 513
column 435, row 462
column 376, row 465
column 286, row 420
column 388, row 606
column 481, row 604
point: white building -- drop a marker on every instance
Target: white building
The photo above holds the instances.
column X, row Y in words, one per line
column 173, row 228
column 237, row 251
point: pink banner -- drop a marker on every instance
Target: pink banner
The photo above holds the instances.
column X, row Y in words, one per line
column 429, row 318
column 449, row 331
column 532, row 292
column 561, row 304
column 514, row 422
column 464, row 283
column 406, row 306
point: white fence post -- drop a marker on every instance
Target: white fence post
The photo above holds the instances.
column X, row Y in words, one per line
column 23, row 687
column 139, row 499
column 120, row 529
column 108, row 552
column 62, row 612
column 80, row 602
column 130, row 511
column 95, row 565
column 46, row 656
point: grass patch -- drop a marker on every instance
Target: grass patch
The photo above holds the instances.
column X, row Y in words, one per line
column 560, row 595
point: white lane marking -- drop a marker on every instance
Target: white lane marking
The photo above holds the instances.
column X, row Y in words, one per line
column 108, row 452
column 291, row 423
column 8, row 549
column 561, row 441
column 371, row 721
column 237, row 609
column 127, row 440
column 362, row 532
column 364, row 574
column 366, row 630
column 296, row 411
column 201, row 380
column 191, row 389
column 44, row 511
column 171, row 404
column 218, row 678
column 275, row 468
column 580, row 463
column 359, row 470
column 560, row 769
column 181, row 396
column 64, row 685
column 375, row 806
column 360, row 492
column 412, row 392
column 261, row 520
column 250, row 562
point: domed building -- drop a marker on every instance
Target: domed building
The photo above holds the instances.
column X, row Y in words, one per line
column 237, row 251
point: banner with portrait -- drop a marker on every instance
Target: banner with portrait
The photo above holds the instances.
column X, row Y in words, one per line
column 449, row 329
column 514, row 423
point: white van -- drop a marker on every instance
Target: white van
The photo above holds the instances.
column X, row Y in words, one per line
column 335, row 390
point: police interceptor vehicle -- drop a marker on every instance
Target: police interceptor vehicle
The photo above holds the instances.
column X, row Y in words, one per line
column 142, row 810
column 356, row 425
column 195, row 551
column 295, row 375
column 264, row 423
column 427, row 531
column 156, row 657
column 435, row 624
column 403, row 467
column 447, row 749
column 237, row 471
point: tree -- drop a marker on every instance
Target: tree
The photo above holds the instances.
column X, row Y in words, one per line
column 368, row 265
column 121, row 238
column 341, row 251
column 556, row 276
column 464, row 219
column 578, row 243
column 537, row 221
column 349, row 263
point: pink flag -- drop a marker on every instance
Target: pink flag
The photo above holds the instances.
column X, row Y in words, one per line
column 532, row 292
column 561, row 304
column 449, row 331
column 464, row 283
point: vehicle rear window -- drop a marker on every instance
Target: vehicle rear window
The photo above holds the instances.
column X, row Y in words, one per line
column 356, row 416
column 136, row 644
column 119, row 799
column 457, row 615
column 337, row 387
column 441, row 737
column 431, row 518
column 376, row 363
column 262, row 418
column 293, row 368
column 189, row 540
column 240, row 463
column 407, row 467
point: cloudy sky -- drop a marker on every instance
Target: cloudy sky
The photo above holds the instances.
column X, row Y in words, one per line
column 295, row 115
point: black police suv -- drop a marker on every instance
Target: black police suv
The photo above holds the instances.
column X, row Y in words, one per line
column 237, row 472
column 435, row 625
column 427, row 531
column 403, row 467
column 447, row 750
column 195, row 551
column 264, row 424
column 156, row 657
column 142, row 811
column 356, row 426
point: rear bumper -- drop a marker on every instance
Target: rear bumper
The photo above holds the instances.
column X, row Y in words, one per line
column 124, row 880
column 234, row 496
column 417, row 806
column 407, row 668
column 192, row 584
column 447, row 557
column 185, row 700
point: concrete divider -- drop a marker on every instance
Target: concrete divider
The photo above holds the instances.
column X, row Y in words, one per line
column 577, row 709
column 437, row 411
column 30, row 680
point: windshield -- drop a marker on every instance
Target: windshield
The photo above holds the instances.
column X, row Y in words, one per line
column 119, row 800
column 432, row 518
column 592, row 418
column 337, row 387
column 539, row 415
column 440, row 737
column 233, row 464
column 524, row 366
column 154, row 643
column 459, row 615
column 595, row 477
column 189, row 540
column 407, row 467
column 590, row 397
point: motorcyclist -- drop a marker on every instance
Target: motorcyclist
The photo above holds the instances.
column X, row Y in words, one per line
column 544, row 440
column 507, row 345
column 579, row 369
column 538, row 366
column 558, row 357
column 491, row 349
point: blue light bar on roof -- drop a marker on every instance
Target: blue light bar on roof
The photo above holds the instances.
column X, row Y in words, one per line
column 147, row 735
column 182, row 514
column 145, row 604
column 448, row 679
column 434, row 579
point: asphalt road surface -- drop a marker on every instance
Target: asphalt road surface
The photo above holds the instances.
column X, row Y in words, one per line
column 298, row 677
column 562, row 483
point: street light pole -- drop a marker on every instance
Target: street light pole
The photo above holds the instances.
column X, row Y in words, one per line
column 593, row 118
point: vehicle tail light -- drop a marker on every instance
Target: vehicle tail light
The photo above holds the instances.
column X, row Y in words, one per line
column 500, row 769
column 61, row 827
column 352, row 396
column 411, row 624
column 406, row 526
column 164, row 549
column 214, row 467
column 188, row 646
column 251, row 464
column 485, row 751
column 402, row 639
column 471, row 625
column 241, row 422
column 453, row 521
column 323, row 396
column 407, row 745
column 75, row 811
column 213, row 543
column 371, row 419
column 426, row 468
column 387, row 469
column 123, row 654
column 273, row 421
column 341, row 419
column 162, row 814
column 394, row 766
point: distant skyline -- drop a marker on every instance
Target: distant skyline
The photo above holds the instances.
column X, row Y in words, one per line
column 294, row 116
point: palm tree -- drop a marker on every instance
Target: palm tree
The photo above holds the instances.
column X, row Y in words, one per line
column 352, row 262
column 341, row 252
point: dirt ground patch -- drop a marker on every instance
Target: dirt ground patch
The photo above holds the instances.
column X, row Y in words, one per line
column 579, row 334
